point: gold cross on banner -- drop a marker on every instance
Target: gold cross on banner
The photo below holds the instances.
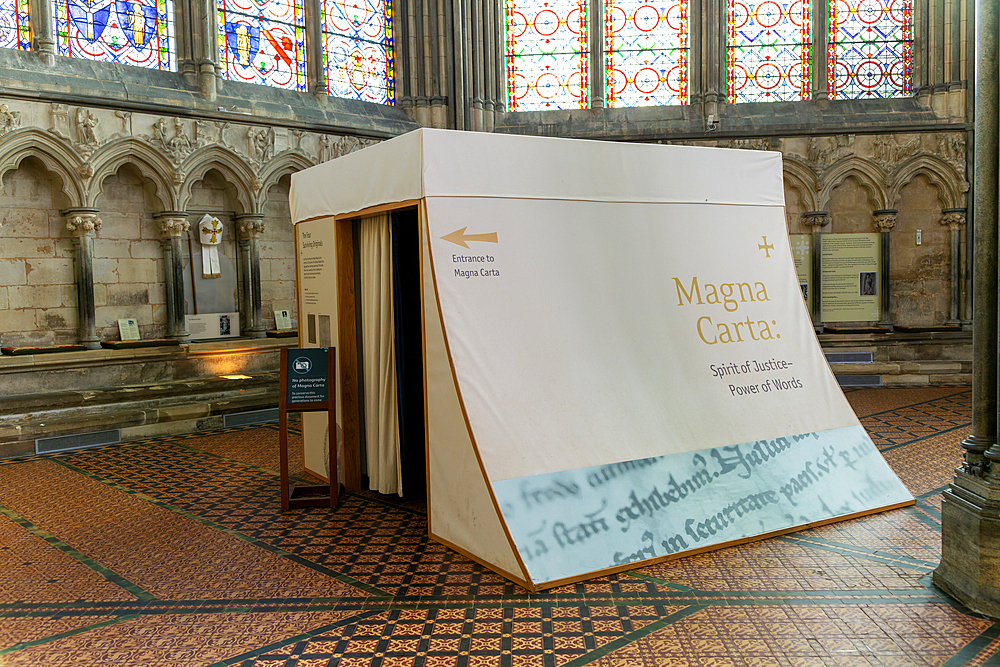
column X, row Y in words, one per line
column 766, row 247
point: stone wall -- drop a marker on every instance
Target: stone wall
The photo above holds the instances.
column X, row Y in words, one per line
column 921, row 176
column 128, row 168
column 37, row 285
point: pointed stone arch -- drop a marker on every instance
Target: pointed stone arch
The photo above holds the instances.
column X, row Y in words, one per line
column 151, row 162
column 871, row 177
column 286, row 163
column 57, row 154
column 800, row 176
column 235, row 169
column 951, row 186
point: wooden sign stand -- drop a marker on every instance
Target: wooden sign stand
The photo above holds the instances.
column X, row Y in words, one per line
column 309, row 496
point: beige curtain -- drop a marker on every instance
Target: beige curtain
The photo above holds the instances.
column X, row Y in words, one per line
column 379, row 355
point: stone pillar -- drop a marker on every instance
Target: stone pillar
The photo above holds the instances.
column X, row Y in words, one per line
column 820, row 78
column 174, row 225
column 83, row 224
column 315, row 72
column 814, row 220
column 251, row 226
column 885, row 220
column 205, row 36
column 596, row 70
column 41, row 30
column 970, row 513
column 954, row 220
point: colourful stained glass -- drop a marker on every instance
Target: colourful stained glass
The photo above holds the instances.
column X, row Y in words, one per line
column 871, row 45
column 263, row 42
column 15, row 27
column 646, row 52
column 357, row 49
column 769, row 50
column 547, row 54
column 129, row 32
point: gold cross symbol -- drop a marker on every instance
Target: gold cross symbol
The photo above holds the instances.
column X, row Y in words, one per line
column 766, row 247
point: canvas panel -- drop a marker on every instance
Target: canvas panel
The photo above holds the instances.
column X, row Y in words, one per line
column 643, row 379
column 316, row 283
column 479, row 164
column 449, row 163
column 461, row 509
column 576, row 344
column 381, row 174
column 589, row 519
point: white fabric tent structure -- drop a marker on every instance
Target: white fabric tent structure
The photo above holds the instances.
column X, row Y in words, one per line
column 618, row 364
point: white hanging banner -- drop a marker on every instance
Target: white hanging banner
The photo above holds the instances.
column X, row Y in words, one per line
column 210, row 231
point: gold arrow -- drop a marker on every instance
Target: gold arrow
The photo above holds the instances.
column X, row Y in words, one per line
column 460, row 237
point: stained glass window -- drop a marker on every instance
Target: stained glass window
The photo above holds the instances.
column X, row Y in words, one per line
column 129, row 32
column 15, row 28
column 357, row 49
column 769, row 50
column 263, row 41
column 547, row 54
column 646, row 52
column 870, row 48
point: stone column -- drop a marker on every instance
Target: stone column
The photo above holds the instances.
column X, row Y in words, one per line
column 251, row 226
column 205, row 43
column 41, row 30
column 315, row 74
column 954, row 220
column 83, row 224
column 970, row 513
column 820, row 78
column 885, row 220
column 174, row 225
column 596, row 73
column 814, row 220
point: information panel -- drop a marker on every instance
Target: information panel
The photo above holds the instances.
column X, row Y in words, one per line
column 308, row 375
column 317, row 304
column 850, row 274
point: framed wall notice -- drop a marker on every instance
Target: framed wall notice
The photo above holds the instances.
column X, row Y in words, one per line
column 851, row 264
column 213, row 325
column 128, row 328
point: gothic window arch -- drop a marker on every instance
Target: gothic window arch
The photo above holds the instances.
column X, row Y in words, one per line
column 577, row 54
column 127, row 32
column 572, row 54
column 646, row 52
column 547, row 54
column 848, row 49
column 870, row 49
column 358, row 49
column 263, row 42
column 768, row 50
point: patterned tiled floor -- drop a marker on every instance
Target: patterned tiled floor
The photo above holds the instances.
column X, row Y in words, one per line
column 172, row 552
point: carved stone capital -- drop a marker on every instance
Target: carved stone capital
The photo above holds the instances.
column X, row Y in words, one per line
column 82, row 221
column 816, row 219
column 953, row 218
column 172, row 223
column 885, row 219
column 250, row 225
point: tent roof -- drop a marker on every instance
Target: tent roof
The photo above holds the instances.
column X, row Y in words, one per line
column 450, row 163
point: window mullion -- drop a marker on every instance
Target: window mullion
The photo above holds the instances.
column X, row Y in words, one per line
column 598, row 66
column 821, row 50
